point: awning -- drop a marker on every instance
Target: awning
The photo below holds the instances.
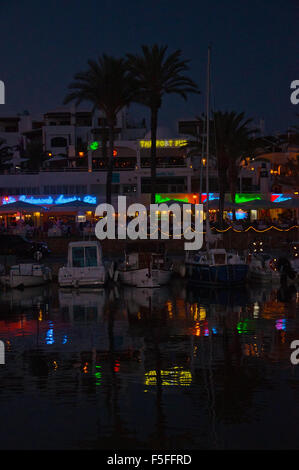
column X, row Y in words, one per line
column 214, row 204
column 288, row 204
column 258, row 204
column 73, row 206
column 20, row 206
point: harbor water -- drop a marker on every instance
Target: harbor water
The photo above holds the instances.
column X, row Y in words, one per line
column 177, row 367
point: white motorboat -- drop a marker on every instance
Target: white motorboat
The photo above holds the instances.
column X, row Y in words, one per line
column 85, row 266
column 144, row 269
column 263, row 269
column 27, row 275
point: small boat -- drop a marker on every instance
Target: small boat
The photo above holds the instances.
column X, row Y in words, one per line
column 85, row 266
column 27, row 275
column 213, row 266
column 263, row 269
column 144, row 268
column 294, row 259
column 216, row 267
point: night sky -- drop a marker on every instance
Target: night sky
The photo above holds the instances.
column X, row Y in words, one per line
column 254, row 50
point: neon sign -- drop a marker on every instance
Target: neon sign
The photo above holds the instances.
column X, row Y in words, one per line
column 94, row 145
column 8, row 200
column 240, row 198
column 32, row 200
column 49, row 200
column 279, row 198
column 63, row 199
column 212, row 197
column 187, row 198
column 164, row 143
column 90, row 199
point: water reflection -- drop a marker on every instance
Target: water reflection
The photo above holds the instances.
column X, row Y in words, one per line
column 174, row 367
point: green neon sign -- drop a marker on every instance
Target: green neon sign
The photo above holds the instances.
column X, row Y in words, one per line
column 159, row 199
column 94, row 145
column 243, row 197
column 98, row 375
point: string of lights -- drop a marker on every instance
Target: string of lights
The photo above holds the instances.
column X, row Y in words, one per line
column 255, row 229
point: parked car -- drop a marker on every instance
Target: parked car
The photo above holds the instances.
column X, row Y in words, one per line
column 20, row 246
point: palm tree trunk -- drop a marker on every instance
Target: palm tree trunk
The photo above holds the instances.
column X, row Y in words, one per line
column 233, row 175
column 222, row 179
column 110, row 164
column 154, row 123
column 221, row 202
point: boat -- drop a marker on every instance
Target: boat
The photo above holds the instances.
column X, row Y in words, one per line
column 144, row 267
column 216, row 267
column 263, row 269
column 294, row 259
column 85, row 266
column 26, row 275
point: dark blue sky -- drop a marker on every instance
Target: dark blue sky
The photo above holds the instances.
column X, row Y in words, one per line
column 254, row 50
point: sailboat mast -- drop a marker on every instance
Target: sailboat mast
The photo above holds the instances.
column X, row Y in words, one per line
column 208, row 128
column 208, row 231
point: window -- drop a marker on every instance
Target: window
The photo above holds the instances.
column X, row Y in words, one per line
column 78, row 257
column 91, row 256
column 58, row 142
column 84, row 257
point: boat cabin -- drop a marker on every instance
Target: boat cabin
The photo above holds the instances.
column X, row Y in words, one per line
column 84, row 254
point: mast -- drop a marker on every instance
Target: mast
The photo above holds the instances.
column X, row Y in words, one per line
column 208, row 125
column 208, row 232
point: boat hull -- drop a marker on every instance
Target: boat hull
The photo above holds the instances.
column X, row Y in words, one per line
column 26, row 275
column 217, row 275
column 23, row 281
column 82, row 277
column 264, row 277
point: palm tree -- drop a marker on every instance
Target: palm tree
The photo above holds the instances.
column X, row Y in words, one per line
column 233, row 138
column 294, row 133
column 107, row 85
column 5, row 152
column 157, row 73
column 35, row 154
column 230, row 139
